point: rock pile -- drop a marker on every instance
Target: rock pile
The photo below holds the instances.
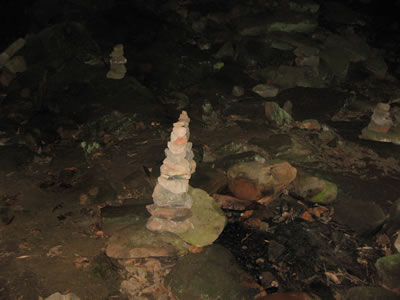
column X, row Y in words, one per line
column 117, row 63
column 380, row 119
column 172, row 203
column 384, row 125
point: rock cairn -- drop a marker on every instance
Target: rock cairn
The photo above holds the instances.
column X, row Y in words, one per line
column 381, row 120
column 172, row 203
column 117, row 63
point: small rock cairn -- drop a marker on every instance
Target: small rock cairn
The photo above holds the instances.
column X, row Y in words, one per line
column 117, row 63
column 172, row 203
column 381, row 120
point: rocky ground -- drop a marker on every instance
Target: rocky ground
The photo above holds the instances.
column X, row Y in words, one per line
column 290, row 143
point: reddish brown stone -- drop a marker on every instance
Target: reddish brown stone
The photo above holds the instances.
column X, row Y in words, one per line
column 180, row 141
column 244, row 189
column 158, row 224
column 168, row 212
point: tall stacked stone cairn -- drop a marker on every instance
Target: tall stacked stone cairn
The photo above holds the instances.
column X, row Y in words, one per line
column 117, row 63
column 172, row 202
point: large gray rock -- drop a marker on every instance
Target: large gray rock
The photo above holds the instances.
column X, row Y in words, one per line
column 276, row 115
column 134, row 240
column 211, row 274
column 364, row 217
column 388, row 268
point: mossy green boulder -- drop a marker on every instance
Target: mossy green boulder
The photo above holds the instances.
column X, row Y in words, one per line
column 388, row 268
column 207, row 220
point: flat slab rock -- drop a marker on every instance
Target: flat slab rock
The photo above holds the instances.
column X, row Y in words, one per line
column 135, row 241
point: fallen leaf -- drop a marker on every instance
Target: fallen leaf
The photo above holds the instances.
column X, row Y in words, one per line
column 55, row 251
column 81, row 263
column 318, row 211
column 71, row 169
column 101, row 234
column 195, row 249
column 97, row 154
column 306, row 216
column 245, row 238
column 247, row 214
column 25, row 245
column 333, row 277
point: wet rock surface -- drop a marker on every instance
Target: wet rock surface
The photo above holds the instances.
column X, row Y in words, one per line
column 287, row 85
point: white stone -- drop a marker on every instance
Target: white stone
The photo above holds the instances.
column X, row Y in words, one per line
column 174, row 157
column 176, row 186
column 177, row 149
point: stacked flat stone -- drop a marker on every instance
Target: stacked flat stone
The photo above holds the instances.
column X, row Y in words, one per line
column 117, row 63
column 172, row 204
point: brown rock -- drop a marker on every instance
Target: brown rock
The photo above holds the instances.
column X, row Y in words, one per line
column 253, row 180
column 177, row 148
column 158, row 224
column 168, row 212
column 287, row 296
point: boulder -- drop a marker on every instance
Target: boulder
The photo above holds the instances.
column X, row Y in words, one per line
column 211, row 274
column 207, row 220
column 277, row 115
column 388, row 268
column 315, row 189
column 254, row 180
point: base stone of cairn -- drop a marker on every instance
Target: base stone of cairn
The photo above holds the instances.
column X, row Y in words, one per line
column 172, row 203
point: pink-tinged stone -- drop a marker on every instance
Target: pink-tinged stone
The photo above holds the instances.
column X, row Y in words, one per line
column 158, row 224
column 165, row 198
column 184, row 116
column 181, row 124
column 177, row 149
column 169, row 213
column 182, row 169
column 180, row 141
column 179, row 132
column 176, row 186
